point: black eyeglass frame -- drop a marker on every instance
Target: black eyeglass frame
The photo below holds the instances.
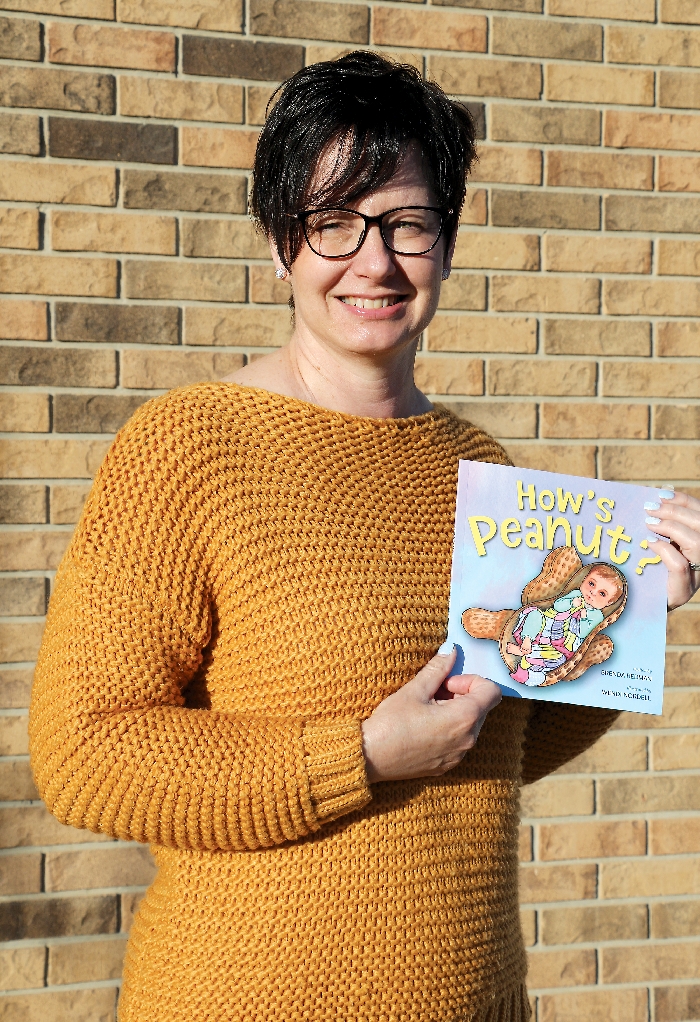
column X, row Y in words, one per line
column 301, row 217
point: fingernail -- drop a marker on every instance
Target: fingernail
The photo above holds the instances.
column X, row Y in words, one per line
column 446, row 649
column 652, row 539
column 667, row 486
column 650, row 520
column 666, row 494
column 651, row 506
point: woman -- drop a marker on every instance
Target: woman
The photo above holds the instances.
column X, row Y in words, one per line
column 240, row 660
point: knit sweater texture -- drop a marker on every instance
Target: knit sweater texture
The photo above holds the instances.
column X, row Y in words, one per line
column 252, row 575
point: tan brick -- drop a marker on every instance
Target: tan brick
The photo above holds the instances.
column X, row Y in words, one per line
column 537, row 294
column 20, row 38
column 217, row 147
column 67, row 503
column 18, row 642
column 116, row 323
column 553, row 457
column 483, row 333
column 96, row 1005
column 23, row 596
column 599, row 170
column 20, row 134
column 595, row 1005
column 674, row 340
column 653, row 46
column 679, row 258
column 560, row 210
column 20, row 874
column 591, row 840
column 27, row 826
column 537, row 37
column 245, row 327
column 523, row 6
column 676, row 1003
column 206, row 193
column 594, row 923
column 85, row 962
column 57, row 90
column 19, row 228
column 465, row 291
column 22, row 967
column 55, row 275
column 59, row 459
column 524, row 843
column 17, row 782
column 162, row 370
column 35, row 551
column 674, row 837
column 265, row 288
column 70, row 8
column 682, row 667
column 22, row 505
column 678, row 462
column 650, row 962
column 560, row 968
column 676, row 422
column 507, row 165
column 644, row 379
column 679, row 89
column 130, row 903
column 676, row 752
column 461, row 76
column 445, row 375
column 93, row 413
column 554, row 796
column 474, row 210
column 206, row 282
column 684, row 12
column 209, row 15
column 223, row 239
column 13, row 730
column 576, row 254
column 557, row 883
column 584, row 421
column 24, row 413
column 63, row 367
column 258, row 98
column 626, row 130
column 182, row 100
column 644, row 213
column 648, row 794
column 39, row 182
column 520, row 123
column 622, row 10
column 111, row 866
column 575, row 84
column 499, row 418
column 103, row 46
column 681, row 709
column 15, row 687
column 675, row 919
column 113, row 232
column 651, row 298
column 611, row 753
column 435, row 30
column 310, row 20
column 528, row 926
column 679, row 173
column 486, row 250
column 640, row 878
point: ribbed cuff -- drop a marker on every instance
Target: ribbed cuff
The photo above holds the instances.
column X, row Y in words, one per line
column 336, row 768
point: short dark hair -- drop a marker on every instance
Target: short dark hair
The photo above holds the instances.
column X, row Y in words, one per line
column 373, row 109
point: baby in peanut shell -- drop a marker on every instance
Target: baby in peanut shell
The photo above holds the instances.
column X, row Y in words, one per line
column 546, row 639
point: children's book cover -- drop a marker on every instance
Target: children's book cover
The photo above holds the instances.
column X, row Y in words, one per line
column 555, row 593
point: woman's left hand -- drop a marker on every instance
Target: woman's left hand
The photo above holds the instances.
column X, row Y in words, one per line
column 680, row 522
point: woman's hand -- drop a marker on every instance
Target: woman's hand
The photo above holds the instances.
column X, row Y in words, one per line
column 680, row 522
column 413, row 734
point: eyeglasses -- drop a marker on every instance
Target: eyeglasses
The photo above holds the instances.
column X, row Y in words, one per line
column 338, row 233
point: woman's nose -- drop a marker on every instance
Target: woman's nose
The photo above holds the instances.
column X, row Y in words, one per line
column 374, row 258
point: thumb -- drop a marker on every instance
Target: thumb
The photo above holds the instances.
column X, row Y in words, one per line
column 430, row 678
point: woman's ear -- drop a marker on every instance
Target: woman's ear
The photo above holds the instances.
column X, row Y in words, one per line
column 281, row 271
column 449, row 254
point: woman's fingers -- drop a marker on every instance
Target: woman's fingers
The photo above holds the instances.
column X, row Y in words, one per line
column 678, row 519
column 430, row 678
column 680, row 580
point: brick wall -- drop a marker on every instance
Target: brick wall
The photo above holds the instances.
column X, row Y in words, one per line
column 570, row 329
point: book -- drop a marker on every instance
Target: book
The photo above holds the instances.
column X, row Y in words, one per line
column 555, row 594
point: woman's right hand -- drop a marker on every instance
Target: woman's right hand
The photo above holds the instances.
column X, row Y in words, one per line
column 413, row 734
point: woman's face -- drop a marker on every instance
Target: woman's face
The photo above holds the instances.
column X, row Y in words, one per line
column 326, row 290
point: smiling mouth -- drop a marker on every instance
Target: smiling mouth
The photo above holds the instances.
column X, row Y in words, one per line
column 372, row 303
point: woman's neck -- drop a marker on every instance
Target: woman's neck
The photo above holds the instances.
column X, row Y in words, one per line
column 371, row 386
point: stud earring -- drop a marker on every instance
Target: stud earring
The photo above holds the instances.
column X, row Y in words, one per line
column 445, row 274
column 280, row 273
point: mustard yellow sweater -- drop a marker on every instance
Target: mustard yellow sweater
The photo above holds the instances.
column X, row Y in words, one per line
column 251, row 576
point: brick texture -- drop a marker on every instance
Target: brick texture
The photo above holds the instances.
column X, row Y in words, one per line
column 569, row 328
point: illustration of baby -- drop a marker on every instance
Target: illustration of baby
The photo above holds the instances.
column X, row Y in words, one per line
column 546, row 639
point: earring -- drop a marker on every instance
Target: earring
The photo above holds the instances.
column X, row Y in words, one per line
column 280, row 273
column 445, row 274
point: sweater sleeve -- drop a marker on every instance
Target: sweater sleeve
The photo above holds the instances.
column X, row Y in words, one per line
column 557, row 733
column 113, row 746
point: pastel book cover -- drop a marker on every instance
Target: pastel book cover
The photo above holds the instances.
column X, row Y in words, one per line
column 555, row 593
